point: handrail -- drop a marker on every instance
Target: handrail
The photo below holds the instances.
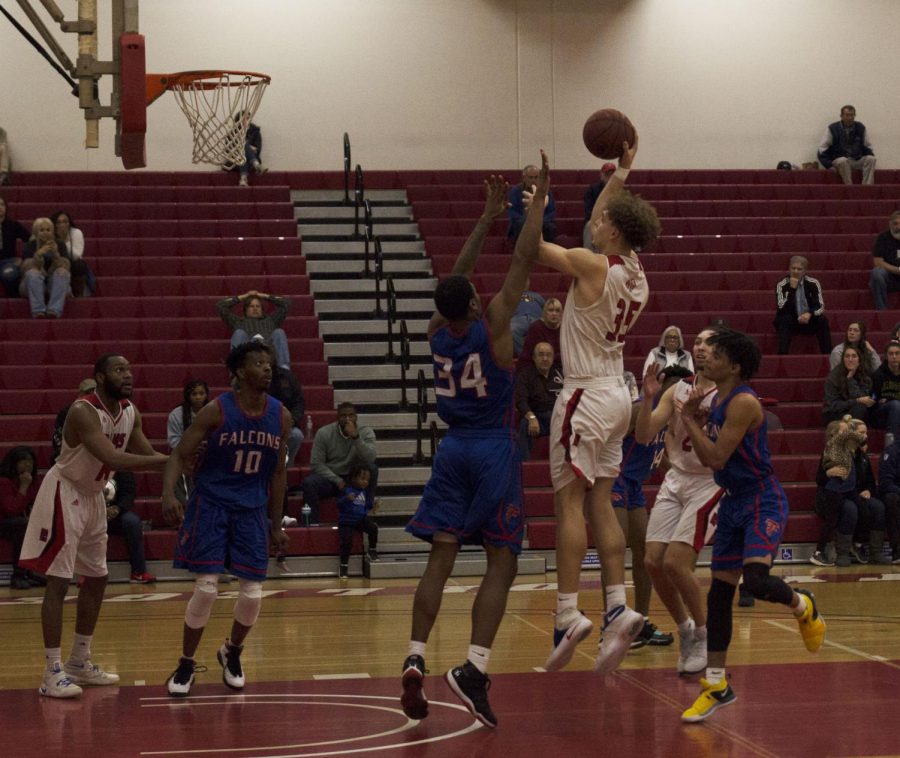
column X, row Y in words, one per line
column 404, row 363
column 367, row 272
column 391, row 297
column 359, row 193
column 421, row 415
column 347, row 165
column 367, row 216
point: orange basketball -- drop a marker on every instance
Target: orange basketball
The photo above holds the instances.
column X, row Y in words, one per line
column 605, row 131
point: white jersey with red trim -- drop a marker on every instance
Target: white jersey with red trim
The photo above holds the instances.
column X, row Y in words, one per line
column 77, row 464
column 679, row 450
column 592, row 338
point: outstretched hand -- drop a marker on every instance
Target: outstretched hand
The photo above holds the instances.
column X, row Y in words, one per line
column 628, row 152
column 691, row 408
column 496, row 204
column 542, row 187
column 651, row 385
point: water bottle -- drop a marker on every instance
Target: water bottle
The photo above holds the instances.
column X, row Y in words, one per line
column 309, row 428
column 306, row 511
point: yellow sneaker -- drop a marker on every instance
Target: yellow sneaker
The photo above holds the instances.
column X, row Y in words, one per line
column 812, row 625
column 713, row 697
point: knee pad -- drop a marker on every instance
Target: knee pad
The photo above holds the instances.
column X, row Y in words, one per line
column 249, row 601
column 762, row 585
column 206, row 590
column 718, row 612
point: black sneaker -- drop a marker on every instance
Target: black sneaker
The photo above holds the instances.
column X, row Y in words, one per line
column 413, row 700
column 859, row 553
column 650, row 635
column 229, row 657
column 344, row 571
column 471, row 686
column 745, row 599
column 373, row 555
column 182, row 679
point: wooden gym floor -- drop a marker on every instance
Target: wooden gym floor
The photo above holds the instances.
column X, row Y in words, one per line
column 323, row 666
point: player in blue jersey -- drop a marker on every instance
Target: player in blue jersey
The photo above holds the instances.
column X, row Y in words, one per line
column 239, row 440
column 753, row 512
column 630, row 505
column 474, row 495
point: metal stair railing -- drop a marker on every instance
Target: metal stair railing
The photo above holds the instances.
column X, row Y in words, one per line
column 347, row 165
column 359, row 194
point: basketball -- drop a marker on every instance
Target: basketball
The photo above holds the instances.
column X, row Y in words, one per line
column 605, row 131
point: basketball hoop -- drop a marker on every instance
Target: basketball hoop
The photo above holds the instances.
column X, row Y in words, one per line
column 219, row 106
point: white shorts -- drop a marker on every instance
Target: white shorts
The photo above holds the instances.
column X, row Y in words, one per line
column 685, row 510
column 66, row 531
column 586, row 432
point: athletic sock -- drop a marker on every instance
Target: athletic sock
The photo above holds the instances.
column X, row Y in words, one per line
column 714, row 676
column 566, row 600
column 700, row 632
column 479, row 656
column 81, row 647
column 801, row 606
column 53, row 656
column 615, row 596
column 685, row 626
column 416, row 648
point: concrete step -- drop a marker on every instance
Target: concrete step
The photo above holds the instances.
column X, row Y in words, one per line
column 422, row 286
column 381, row 395
column 376, row 349
column 357, row 247
column 337, row 196
column 367, row 305
column 404, row 420
column 331, row 213
column 322, row 268
column 369, row 326
column 342, row 229
column 467, row 564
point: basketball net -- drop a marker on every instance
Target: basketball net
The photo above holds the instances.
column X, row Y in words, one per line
column 219, row 107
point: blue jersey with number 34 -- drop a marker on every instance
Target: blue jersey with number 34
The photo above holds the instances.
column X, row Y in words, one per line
column 472, row 390
column 241, row 456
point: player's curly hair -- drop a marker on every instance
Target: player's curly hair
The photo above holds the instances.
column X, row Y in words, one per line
column 738, row 348
column 238, row 355
column 635, row 218
column 452, row 296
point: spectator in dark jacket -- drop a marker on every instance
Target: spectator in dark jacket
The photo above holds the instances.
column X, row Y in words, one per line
column 286, row 388
column 516, row 210
column 885, row 276
column 889, row 489
column 870, row 525
column 886, row 388
column 19, row 484
column 121, row 519
column 800, row 308
column 537, row 387
column 848, row 389
column 845, row 146
column 10, row 260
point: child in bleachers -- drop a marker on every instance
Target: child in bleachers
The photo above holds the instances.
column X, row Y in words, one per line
column 353, row 516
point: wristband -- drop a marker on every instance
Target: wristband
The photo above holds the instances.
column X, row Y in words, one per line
column 621, row 173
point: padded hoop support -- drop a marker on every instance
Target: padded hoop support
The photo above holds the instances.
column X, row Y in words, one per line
column 132, row 100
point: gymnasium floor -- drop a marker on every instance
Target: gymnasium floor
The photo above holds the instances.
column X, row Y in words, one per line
column 322, row 667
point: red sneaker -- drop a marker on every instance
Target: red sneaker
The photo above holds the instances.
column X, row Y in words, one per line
column 142, row 578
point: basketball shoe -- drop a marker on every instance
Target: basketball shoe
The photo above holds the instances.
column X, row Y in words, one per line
column 812, row 625
column 571, row 627
column 88, row 675
column 712, row 697
column 229, row 657
column 691, row 652
column 413, row 700
column 182, row 679
column 650, row 635
column 56, row 683
column 620, row 626
column 471, row 686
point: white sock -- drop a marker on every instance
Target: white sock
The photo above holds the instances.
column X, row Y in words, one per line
column 615, row 596
column 801, row 606
column 53, row 656
column 686, row 626
column 416, row 648
column 700, row 632
column 566, row 600
column 714, row 676
column 479, row 656
column 81, row 647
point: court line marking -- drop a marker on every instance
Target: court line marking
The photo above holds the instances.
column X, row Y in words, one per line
column 342, row 676
column 852, row 650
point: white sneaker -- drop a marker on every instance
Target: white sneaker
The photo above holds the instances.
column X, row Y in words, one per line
column 57, row 683
column 229, row 657
column 695, row 660
column 243, row 182
column 620, row 626
column 572, row 626
column 88, row 675
column 685, row 642
column 288, row 521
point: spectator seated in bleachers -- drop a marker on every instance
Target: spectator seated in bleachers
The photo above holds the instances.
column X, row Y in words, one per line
column 19, row 484
column 590, row 199
column 800, row 308
column 10, row 260
column 286, row 388
column 120, row 492
column 45, row 271
column 886, row 388
column 889, row 490
column 868, row 537
column 85, row 387
column 545, row 329
column 885, row 276
column 517, row 210
column 537, row 387
column 71, row 236
column 845, row 146
column 848, row 388
column 256, row 323
column 528, row 311
column 670, row 352
column 856, row 337
column 252, row 153
column 337, row 448
column 194, row 397
column 354, row 508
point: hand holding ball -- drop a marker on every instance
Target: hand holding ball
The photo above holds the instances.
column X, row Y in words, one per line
column 605, row 131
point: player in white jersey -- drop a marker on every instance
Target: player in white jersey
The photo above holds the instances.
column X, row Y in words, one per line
column 593, row 410
column 683, row 516
column 67, row 528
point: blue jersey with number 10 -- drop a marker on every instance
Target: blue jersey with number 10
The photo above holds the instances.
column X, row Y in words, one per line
column 241, row 456
column 472, row 390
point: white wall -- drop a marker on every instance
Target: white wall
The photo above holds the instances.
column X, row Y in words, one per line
column 484, row 83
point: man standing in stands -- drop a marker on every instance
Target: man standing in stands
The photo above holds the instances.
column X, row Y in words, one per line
column 67, row 527
column 845, row 146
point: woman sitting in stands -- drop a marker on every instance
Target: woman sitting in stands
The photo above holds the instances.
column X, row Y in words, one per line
column 196, row 395
column 10, row 263
column 19, row 483
column 45, row 271
column 72, row 237
column 670, row 352
column 856, row 336
column 848, row 388
column 545, row 329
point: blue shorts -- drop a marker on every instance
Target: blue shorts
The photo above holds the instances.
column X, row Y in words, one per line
column 749, row 526
column 628, row 494
column 474, row 493
column 217, row 537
